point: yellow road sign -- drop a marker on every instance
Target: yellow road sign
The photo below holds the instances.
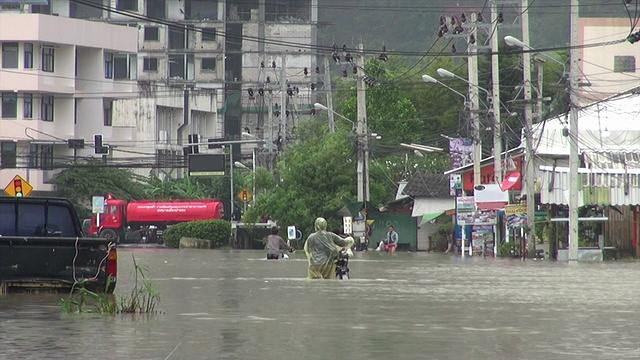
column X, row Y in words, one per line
column 245, row 195
column 18, row 187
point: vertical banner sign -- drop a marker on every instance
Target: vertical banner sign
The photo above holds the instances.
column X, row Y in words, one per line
column 347, row 227
column 461, row 151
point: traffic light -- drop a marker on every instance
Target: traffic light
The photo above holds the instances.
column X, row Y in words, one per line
column 17, row 186
column 98, row 147
column 97, row 141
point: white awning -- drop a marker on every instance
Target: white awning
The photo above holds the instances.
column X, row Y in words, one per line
column 423, row 206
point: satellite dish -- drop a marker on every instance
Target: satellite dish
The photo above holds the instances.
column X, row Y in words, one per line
column 510, row 181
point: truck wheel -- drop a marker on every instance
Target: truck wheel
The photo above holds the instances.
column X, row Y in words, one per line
column 109, row 234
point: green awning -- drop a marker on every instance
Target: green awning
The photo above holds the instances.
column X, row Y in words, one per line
column 428, row 217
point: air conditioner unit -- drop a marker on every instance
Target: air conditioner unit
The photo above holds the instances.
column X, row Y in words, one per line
column 163, row 138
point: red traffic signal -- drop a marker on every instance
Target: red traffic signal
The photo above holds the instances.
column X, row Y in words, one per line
column 17, row 186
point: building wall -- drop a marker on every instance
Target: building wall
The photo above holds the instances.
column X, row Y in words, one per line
column 77, row 99
column 597, row 64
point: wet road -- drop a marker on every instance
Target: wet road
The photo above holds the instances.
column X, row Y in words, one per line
column 235, row 305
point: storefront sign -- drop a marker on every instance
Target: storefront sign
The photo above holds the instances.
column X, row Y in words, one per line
column 488, row 175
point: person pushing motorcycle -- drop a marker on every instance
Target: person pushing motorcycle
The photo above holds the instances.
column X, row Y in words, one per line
column 322, row 249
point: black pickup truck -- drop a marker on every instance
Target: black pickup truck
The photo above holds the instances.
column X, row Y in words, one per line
column 42, row 247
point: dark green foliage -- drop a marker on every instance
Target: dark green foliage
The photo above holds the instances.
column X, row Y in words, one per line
column 187, row 188
column 81, row 183
column 216, row 231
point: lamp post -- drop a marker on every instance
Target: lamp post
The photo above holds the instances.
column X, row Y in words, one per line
column 473, row 108
column 477, row 146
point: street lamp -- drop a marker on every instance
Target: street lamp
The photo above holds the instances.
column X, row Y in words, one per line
column 512, row 41
column 429, row 79
column 319, row 106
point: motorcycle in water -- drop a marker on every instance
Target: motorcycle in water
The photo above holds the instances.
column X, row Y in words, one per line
column 342, row 265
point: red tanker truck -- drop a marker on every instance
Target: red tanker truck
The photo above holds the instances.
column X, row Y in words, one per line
column 120, row 218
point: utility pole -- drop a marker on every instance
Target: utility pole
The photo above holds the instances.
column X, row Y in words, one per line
column 495, row 92
column 472, row 64
column 283, row 99
column 530, row 187
column 574, row 155
column 327, row 86
column 361, row 130
column 539, row 98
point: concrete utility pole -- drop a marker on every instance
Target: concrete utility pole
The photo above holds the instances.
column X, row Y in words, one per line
column 495, row 92
column 362, row 130
column 327, row 86
column 530, row 177
column 283, row 99
column 574, row 155
column 472, row 64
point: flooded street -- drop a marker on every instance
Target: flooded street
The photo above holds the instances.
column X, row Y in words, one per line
column 235, row 305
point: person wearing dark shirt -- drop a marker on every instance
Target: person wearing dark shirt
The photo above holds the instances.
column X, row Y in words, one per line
column 275, row 245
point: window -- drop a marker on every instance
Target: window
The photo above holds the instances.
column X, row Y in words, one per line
column 47, row 58
column 208, row 64
column 10, row 55
column 156, row 8
column 131, row 5
column 151, row 33
column 86, row 11
column 8, row 154
column 176, row 66
column 177, row 38
column 46, row 107
column 120, row 67
column 150, row 64
column 108, row 65
column 209, row 34
column 108, row 112
column 27, row 105
column 201, row 9
column 9, row 105
column 41, row 9
column 624, row 64
column 41, row 156
column 28, row 56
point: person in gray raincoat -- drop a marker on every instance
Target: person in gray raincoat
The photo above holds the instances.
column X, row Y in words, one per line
column 322, row 249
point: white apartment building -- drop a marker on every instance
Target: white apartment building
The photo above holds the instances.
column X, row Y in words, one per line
column 195, row 62
column 58, row 79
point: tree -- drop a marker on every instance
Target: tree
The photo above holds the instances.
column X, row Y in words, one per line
column 313, row 176
column 80, row 183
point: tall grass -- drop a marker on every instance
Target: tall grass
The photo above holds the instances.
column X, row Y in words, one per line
column 142, row 299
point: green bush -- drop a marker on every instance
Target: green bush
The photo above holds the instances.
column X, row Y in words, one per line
column 216, row 231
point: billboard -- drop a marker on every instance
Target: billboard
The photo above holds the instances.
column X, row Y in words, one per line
column 207, row 164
